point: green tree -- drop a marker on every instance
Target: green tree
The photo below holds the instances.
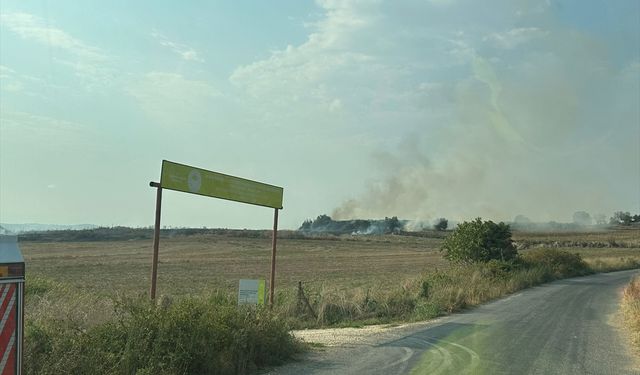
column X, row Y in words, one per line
column 392, row 225
column 479, row 241
column 441, row 224
column 306, row 225
column 620, row 218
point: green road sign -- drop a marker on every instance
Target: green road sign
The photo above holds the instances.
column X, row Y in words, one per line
column 188, row 179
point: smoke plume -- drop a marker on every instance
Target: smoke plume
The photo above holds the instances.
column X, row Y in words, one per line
column 532, row 140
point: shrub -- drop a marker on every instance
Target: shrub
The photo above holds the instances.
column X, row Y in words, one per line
column 398, row 305
column 621, row 218
column 441, row 224
column 193, row 336
column 424, row 289
column 558, row 262
column 500, row 269
column 427, row 310
column 479, row 241
column 336, row 312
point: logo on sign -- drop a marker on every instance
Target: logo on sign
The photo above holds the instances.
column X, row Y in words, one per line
column 194, row 180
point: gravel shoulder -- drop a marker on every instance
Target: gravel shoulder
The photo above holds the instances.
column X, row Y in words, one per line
column 349, row 337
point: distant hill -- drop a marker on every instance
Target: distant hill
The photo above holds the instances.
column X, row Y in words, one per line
column 35, row 227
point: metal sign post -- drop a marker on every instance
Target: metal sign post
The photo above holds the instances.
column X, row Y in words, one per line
column 184, row 178
column 156, row 240
column 272, row 280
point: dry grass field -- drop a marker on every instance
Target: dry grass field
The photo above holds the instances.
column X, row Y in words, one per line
column 199, row 263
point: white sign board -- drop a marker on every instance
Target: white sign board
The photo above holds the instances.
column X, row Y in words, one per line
column 251, row 292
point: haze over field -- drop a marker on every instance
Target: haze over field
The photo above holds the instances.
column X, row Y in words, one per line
column 447, row 108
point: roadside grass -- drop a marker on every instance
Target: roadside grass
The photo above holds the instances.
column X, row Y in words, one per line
column 442, row 291
column 631, row 310
column 71, row 332
column 610, row 264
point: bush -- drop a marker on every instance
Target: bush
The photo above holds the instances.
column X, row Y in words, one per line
column 479, row 241
column 192, row 336
column 500, row 269
column 621, row 218
column 424, row 289
column 558, row 262
column 441, row 224
column 399, row 305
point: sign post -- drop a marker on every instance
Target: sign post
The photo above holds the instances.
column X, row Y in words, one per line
column 156, row 239
column 272, row 280
column 184, row 178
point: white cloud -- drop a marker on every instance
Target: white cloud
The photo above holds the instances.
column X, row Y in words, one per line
column 12, row 87
column 441, row 2
column 349, row 58
column 181, row 49
column 5, row 71
column 8, row 81
column 88, row 62
column 25, row 84
column 335, row 105
column 30, row 123
column 34, row 28
column 191, row 55
column 171, row 99
column 515, row 37
column 31, row 131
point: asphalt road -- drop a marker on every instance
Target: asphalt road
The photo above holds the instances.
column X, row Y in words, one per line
column 565, row 327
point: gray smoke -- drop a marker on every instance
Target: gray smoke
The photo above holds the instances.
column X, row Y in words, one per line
column 541, row 139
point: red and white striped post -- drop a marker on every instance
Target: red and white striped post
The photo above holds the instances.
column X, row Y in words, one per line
column 11, row 306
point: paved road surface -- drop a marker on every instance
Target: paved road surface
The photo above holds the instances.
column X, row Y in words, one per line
column 565, row 327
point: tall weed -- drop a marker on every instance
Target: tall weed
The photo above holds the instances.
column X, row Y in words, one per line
column 631, row 310
column 196, row 335
column 443, row 291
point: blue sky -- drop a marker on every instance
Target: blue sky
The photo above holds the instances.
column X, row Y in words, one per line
column 419, row 109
